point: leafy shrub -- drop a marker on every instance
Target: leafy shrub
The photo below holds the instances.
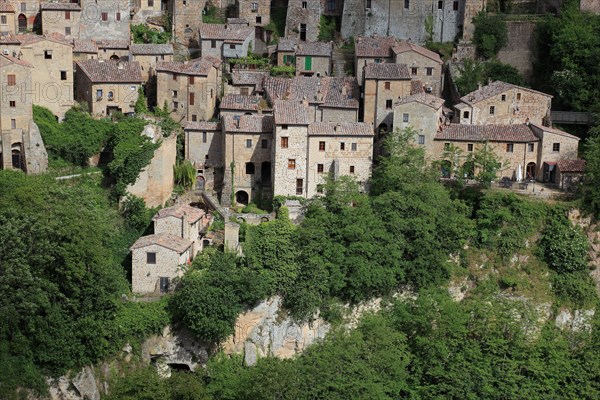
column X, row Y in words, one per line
column 184, row 174
column 490, row 34
column 283, row 70
column 143, row 34
column 327, row 29
column 565, row 246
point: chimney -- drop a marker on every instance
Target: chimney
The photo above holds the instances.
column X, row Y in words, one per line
column 337, row 128
column 304, row 101
column 344, row 91
column 119, row 65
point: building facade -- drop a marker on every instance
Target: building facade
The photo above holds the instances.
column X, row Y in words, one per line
column 424, row 65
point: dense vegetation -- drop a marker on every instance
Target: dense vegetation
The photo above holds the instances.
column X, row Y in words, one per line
column 143, row 34
column 62, row 251
column 473, row 73
column 490, row 34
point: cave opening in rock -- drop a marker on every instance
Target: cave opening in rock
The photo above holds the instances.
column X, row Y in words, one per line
column 179, row 367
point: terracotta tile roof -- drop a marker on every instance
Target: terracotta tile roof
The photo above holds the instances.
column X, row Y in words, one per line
column 170, row 242
column 8, row 38
column 248, row 123
column 99, row 71
column 416, row 86
column 317, row 49
column 215, row 60
column 519, row 133
column 112, row 44
column 202, row 126
column 335, row 92
column 193, row 213
column 374, row 47
column 571, row 165
column 556, row 131
column 387, row 71
column 151, row 49
column 30, row 38
column 241, row 21
column 240, row 102
column 286, row 44
column 198, row 67
column 60, row 6
column 493, row 89
column 6, row 7
column 340, row 129
column 6, row 60
column 84, row 46
column 227, row 33
column 242, row 77
column 290, row 113
column 405, row 46
column 423, row 98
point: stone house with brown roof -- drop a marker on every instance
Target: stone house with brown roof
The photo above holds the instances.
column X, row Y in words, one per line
column 52, row 75
column 204, row 148
column 503, row 103
column 247, row 82
column 8, row 20
column 108, row 86
column 225, row 41
column 569, row 174
column 84, row 49
column 63, row 18
column 286, row 52
column 424, row 65
column 148, row 55
column 555, row 145
column 314, row 58
column 21, row 144
column 113, row 49
column 372, row 50
column 238, row 104
column 383, row 85
column 187, row 19
column 302, row 20
column 189, row 88
column 257, row 13
column 247, row 149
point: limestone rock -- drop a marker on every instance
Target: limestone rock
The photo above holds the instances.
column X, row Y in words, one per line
column 85, row 383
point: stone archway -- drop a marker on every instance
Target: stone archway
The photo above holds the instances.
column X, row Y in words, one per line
column 468, row 170
column 22, row 22
column 530, row 171
column 241, row 197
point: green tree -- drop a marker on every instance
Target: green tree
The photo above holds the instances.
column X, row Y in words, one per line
column 487, row 164
column 490, row 34
column 141, row 104
column 184, row 174
column 591, row 186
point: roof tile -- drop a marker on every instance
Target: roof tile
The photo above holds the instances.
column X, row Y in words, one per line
column 248, row 123
column 493, row 89
column 374, row 47
column 405, row 46
column 198, row 67
column 340, row 129
column 387, row 71
column 193, row 213
column 571, row 165
column 170, row 242
column 518, row 133
column 290, row 113
column 317, row 49
column 227, row 33
column 151, row 49
column 99, row 71
column 240, row 102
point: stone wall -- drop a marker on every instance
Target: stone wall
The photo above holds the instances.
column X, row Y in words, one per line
column 155, row 182
column 54, row 21
column 187, row 18
column 592, row 6
column 435, row 80
column 337, row 115
column 145, row 277
column 424, row 119
column 93, row 25
column 309, row 17
column 320, row 66
column 284, row 178
column 520, row 47
column 376, row 98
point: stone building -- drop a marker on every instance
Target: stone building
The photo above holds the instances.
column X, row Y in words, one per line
column 187, row 19
column 383, row 85
column 424, row 65
column 405, row 19
column 554, row 145
column 238, row 104
column 104, row 19
column 422, row 112
column 52, row 76
column 8, row 20
column 226, row 41
column 142, row 10
column 592, row 6
column 286, row 52
column 204, row 149
column 257, row 13
column 247, row 142
column 64, row 18
column 314, row 58
column 108, row 86
column 27, row 14
column 330, row 99
column 189, row 88
column 303, row 19
column 21, row 144
column 503, row 103
column 84, row 49
column 183, row 221
column 248, row 82
column 148, row 55
column 111, row 49
column 372, row 50
column 569, row 174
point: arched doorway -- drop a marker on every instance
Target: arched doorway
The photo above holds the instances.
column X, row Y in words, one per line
column 446, row 169
column 22, row 19
column 200, row 181
column 241, row 197
column 530, row 171
column 265, row 173
column 114, row 57
column 17, row 158
column 382, row 129
column 468, row 170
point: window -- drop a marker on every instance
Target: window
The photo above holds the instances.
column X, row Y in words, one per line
column 3, row 19
column 264, row 144
column 440, row 4
column 455, row 6
column 388, row 104
column 470, row 147
column 111, row 95
column 254, row 7
column 150, row 3
column 174, row 93
column 99, row 93
column 191, row 80
column 150, row 258
column 259, row 20
column 63, row 75
column 503, row 97
column 211, row 93
column 175, row 105
column 67, row 30
column 104, row 16
column 405, row 117
column 48, row 54
column 299, row 186
column 320, row 168
column 67, row 14
column 321, row 146
column 291, row 163
column 13, row 103
column 465, row 114
column 213, row 44
column 377, row 61
column 518, row 96
column 556, row 147
column 248, row 143
column 531, row 147
column 492, row 110
column 319, row 188
column 510, row 147
column 446, row 146
column 387, row 85
column 368, row 5
column 304, row 4
column 194, row 118
column 206, row 157
column 174, row 77
column 232, row 46
column 250, row 168
column 23, row 7
column 352, row 169
column 406, row 4
column 11, row 80
column 421, row 139
column 342, row 146
column 192, row 99
column 331, row 5
column 13, row 123
column 284, row 126
column 204, row 137
column 118, row 17
column 414, row 70
column 284, row 142
column 429, row 71
column 353, row 147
